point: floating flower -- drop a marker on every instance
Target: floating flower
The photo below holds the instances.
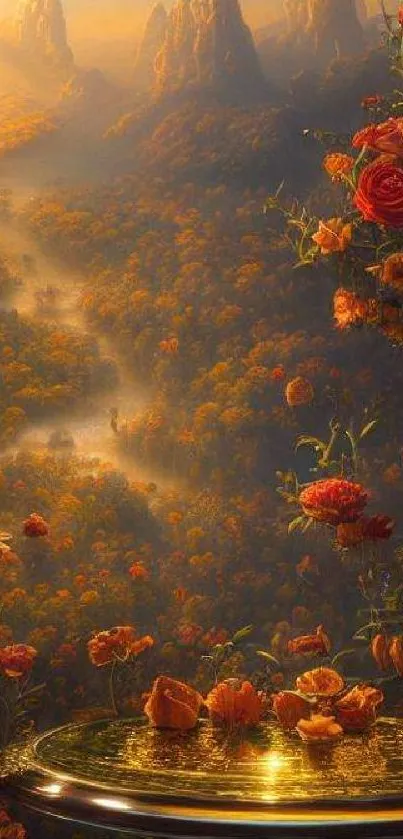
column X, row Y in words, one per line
column 173, row 704
column 338, row 165
column 298, row 392
column 333, row 236
column 396, row 654
column 318, row 643
column 334, row 501
column 379, row 194
column 385, row 137
column 319, row 728
column 400, row 16
column 356, row 711
column 349, row 309
column 320, row 682
column 233, row 704
column 35, row 526
column 17, row 660
column 116, row 644
column 290, row 709
column 380, row 651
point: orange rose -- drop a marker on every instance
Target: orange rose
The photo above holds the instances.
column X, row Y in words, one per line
column 298, row 392
column 338, row 165
column 320, row 682
column 396, row 654
column 380, row 652
column 349, row 309
column 392, row 271
column 319, row 728
column 333, row 236
column 144, row 643
column 318, row 643
column 117, row 644
column 356, row 711
column 17, row 660
column 379, row 194
column 386, row 137
column 290, row 709
column 173, row 704
column 235, row 705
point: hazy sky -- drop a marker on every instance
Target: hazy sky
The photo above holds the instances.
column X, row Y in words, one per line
column 117, row 14
column 123, row 17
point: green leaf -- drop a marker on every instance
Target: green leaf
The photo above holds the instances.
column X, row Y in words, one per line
column 364, row 630
column 368, row 428
column 317, row 444
column 268, row 657
column 307, row 525
column 296, row 523
column 218, row 651
column 242, row 633
column 342, row 654
column 279, row 188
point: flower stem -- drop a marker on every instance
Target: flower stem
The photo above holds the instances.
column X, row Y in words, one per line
column 112, row 689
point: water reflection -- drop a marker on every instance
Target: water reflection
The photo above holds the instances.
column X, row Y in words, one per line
column 270, row 766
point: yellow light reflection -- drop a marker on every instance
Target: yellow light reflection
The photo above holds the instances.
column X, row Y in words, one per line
column 51, row 789
column 111, row 803
column 273, row 762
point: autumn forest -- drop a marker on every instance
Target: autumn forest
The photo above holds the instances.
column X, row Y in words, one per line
column 200, row 355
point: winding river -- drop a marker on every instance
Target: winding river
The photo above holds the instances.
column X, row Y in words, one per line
column 90, row 424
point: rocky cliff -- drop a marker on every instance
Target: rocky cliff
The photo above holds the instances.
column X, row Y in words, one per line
column 334, row 28
column 41, row 32
column 327, row 28
column 207, row 43
column 151, row 44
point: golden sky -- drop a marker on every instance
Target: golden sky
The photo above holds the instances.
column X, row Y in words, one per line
column 123, row 18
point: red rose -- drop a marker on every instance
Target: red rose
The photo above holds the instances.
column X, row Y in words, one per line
column 387, row 137
column 334, row 501
column 379, row 195
column 17, row 660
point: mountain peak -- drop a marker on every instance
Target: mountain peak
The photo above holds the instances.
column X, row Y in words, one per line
column 41, row 31
column 329, row 28
column 151, row 43
column 207, row 43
